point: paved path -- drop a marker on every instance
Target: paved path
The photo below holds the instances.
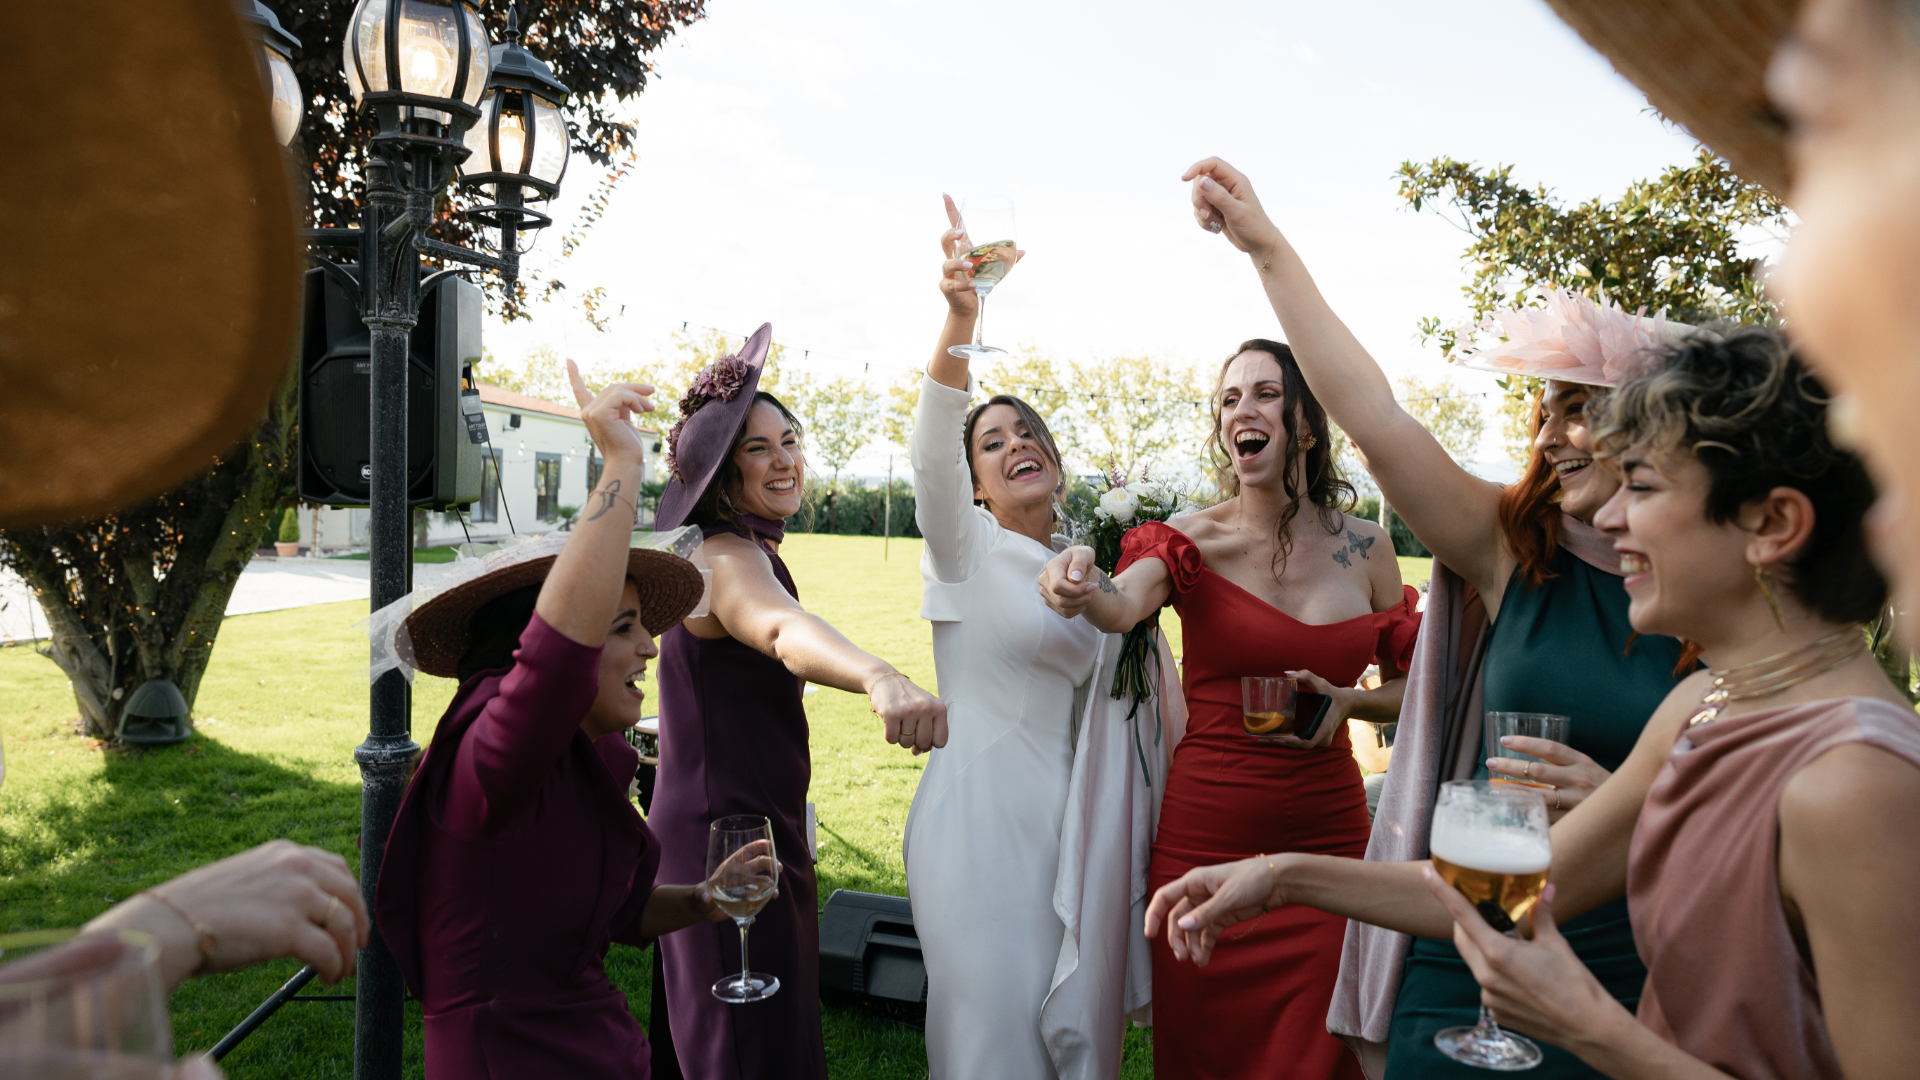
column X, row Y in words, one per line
column 267, row 584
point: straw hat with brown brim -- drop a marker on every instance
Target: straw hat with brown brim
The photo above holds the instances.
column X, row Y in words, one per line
column 1703, row 65
column 439, row 630
column 149, row 288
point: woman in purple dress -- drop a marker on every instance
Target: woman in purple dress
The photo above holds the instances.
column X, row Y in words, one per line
column 733, row 734
column 516, row 857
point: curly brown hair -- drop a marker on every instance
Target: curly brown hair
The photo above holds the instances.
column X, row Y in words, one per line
column 1756, row 417
column 1329, row 493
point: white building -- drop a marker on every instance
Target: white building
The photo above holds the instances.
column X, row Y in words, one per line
column 539, row 460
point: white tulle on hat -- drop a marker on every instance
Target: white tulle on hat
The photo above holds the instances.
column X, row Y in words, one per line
column 1573, row 339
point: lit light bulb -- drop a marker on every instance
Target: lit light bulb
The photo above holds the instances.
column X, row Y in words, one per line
column 428, row 67
column 513, row 143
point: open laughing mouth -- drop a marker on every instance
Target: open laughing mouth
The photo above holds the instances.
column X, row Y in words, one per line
column 1249, row 443
column 1024, row 469
column 780, row 486
column 1564, row 469
column 1633, row 564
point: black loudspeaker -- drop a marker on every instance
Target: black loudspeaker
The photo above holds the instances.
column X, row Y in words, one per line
column 868, row 946
column 443, row 462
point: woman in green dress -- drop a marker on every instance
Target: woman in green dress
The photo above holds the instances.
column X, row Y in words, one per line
column 1559, row 640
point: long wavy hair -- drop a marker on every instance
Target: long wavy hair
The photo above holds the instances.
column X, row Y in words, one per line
column 1326, row 490
column 1529, row 510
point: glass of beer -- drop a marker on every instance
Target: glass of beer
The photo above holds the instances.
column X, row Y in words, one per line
column 1531, row 725
column 1490, row 842
column 1268, row 705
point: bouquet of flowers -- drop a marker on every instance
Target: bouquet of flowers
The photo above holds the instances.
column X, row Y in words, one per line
column 1127, row 505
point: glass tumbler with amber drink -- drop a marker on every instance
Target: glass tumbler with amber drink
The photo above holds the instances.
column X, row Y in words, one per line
column 1531, row 725
column 1490, row 842
column 1268, row 705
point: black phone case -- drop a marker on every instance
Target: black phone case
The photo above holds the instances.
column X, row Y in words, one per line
column 1314, row 708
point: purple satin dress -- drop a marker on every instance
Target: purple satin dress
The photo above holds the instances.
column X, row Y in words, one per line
column 515, row 859
column 733, row 740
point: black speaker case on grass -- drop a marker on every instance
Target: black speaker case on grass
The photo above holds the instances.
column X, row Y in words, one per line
column 870, row 950
column 444, row 466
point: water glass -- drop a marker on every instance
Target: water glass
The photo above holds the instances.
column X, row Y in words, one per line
column 1531, row 725
column 83, row 1005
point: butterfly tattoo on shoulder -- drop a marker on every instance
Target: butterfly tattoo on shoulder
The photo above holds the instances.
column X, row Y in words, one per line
column 1356, row 542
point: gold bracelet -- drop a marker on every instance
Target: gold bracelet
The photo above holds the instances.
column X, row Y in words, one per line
column 878, row 681
column 1273, row 882
column 207, row 940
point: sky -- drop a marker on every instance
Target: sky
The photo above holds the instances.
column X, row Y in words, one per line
column 792, row 158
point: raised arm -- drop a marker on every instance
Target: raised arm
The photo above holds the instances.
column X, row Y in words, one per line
column 942, row 482
column 751, row 606
column 1449, row 509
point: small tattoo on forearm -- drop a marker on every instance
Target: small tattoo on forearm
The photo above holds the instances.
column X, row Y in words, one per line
column 1106, row 583
column 608, row 496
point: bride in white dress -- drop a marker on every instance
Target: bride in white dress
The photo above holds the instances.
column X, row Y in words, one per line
column 983, row 840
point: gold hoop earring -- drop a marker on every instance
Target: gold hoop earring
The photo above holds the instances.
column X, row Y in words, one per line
column 1764, row 578
column 1306, row 442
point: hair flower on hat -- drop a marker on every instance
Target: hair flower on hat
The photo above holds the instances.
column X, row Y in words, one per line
column 1574, row 339
column 718, row 381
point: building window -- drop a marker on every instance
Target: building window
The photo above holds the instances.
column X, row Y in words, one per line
column 546, row 486
column 488, row 508
column 594, row 468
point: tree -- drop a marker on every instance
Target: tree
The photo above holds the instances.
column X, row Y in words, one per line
column 1671, row 243
column 139, row 594
column 842, row 417
column 1135, row 412
column 1453, row 417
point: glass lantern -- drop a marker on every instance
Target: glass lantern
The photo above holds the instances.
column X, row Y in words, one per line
column 287, row 107
column 521, row 137
column 412, row 53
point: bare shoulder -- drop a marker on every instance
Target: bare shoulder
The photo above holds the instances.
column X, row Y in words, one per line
column 1203, row 524
column 1849, row 788
column 731, row 546
column 1362, row 527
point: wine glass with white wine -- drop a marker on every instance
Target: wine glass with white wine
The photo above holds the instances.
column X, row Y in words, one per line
column 986, row 223
column 743, row 870
column 1490, row 842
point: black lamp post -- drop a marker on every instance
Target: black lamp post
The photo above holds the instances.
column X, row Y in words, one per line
column 441, row 94
column 276, row 60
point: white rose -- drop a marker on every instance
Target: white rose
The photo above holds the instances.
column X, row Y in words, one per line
column 1120, row 504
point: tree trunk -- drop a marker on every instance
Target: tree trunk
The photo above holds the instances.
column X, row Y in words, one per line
column 140, row 595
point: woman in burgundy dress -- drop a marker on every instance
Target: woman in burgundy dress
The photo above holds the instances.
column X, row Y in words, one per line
column 1275, row 580
column 733, row 734
column 516, row 856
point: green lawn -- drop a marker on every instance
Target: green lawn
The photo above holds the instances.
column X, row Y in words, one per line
column 281, row 709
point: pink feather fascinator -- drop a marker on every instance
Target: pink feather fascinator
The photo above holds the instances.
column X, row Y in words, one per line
column 1574, row 339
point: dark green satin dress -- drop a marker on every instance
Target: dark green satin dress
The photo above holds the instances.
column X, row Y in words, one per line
column 1559, row 648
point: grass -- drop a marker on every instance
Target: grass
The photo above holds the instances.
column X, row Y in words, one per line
column 281, row 708
column 443, row 553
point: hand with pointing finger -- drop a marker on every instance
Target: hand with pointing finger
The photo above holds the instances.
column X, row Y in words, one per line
column 609, row 415
column 956, row 272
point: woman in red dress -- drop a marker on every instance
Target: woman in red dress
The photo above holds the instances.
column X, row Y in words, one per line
column 1274, row 580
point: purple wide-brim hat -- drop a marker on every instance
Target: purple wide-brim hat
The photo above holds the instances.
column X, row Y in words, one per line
column 720, row 399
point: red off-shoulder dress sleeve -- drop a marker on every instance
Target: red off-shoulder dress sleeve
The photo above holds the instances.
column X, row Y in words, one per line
column 1158, row 540
column 1400, row 629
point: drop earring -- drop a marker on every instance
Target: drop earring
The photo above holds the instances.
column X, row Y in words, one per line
column 1306, row 442
column 1764, row 578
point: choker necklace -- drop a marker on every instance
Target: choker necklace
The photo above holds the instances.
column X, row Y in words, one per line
column 1778, row 672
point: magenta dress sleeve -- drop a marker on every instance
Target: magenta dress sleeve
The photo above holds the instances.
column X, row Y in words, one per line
column 510, row 750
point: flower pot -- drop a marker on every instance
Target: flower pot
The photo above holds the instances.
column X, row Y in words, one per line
column 285, row 550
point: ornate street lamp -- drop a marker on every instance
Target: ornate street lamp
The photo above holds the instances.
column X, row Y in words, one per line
column 423, row 67
column 276, row 55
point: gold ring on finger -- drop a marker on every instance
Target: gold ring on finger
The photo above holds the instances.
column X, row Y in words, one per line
column 1527, row 774
column 333, row 904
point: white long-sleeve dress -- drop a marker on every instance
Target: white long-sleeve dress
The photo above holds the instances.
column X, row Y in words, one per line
column 983, row 838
